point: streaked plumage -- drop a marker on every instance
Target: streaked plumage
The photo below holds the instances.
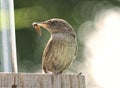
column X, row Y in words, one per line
column 61, row 48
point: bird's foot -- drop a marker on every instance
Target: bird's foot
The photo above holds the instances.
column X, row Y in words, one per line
column 60, row 72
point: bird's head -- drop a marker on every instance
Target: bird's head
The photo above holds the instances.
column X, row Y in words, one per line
column 54, row 25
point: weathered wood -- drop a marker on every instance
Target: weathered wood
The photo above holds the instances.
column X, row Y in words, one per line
column 30, row 80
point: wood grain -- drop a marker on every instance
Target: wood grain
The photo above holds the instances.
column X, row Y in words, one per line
column 32, row 80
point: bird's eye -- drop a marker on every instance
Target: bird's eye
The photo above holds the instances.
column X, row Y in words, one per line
column 52, row 23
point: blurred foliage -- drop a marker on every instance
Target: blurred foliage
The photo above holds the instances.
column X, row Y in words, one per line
column 30, row 46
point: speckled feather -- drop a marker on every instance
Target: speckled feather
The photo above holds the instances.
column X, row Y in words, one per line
column 61, row 49
column 59, row 52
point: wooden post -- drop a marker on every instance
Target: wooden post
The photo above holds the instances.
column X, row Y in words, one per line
column 35, row 80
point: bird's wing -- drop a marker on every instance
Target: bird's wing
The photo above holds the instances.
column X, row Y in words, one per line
column 58, row 53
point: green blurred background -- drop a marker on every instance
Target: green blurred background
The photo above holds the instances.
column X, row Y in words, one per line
column 30, row 46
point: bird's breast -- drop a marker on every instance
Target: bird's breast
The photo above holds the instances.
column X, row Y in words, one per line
column 61, row 52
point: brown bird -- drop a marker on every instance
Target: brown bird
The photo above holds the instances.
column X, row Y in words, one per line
column 61, row 48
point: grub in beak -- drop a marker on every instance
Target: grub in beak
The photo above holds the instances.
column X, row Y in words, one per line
column 37, row 27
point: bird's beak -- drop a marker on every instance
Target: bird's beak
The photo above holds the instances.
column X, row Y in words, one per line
column 38, row 26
